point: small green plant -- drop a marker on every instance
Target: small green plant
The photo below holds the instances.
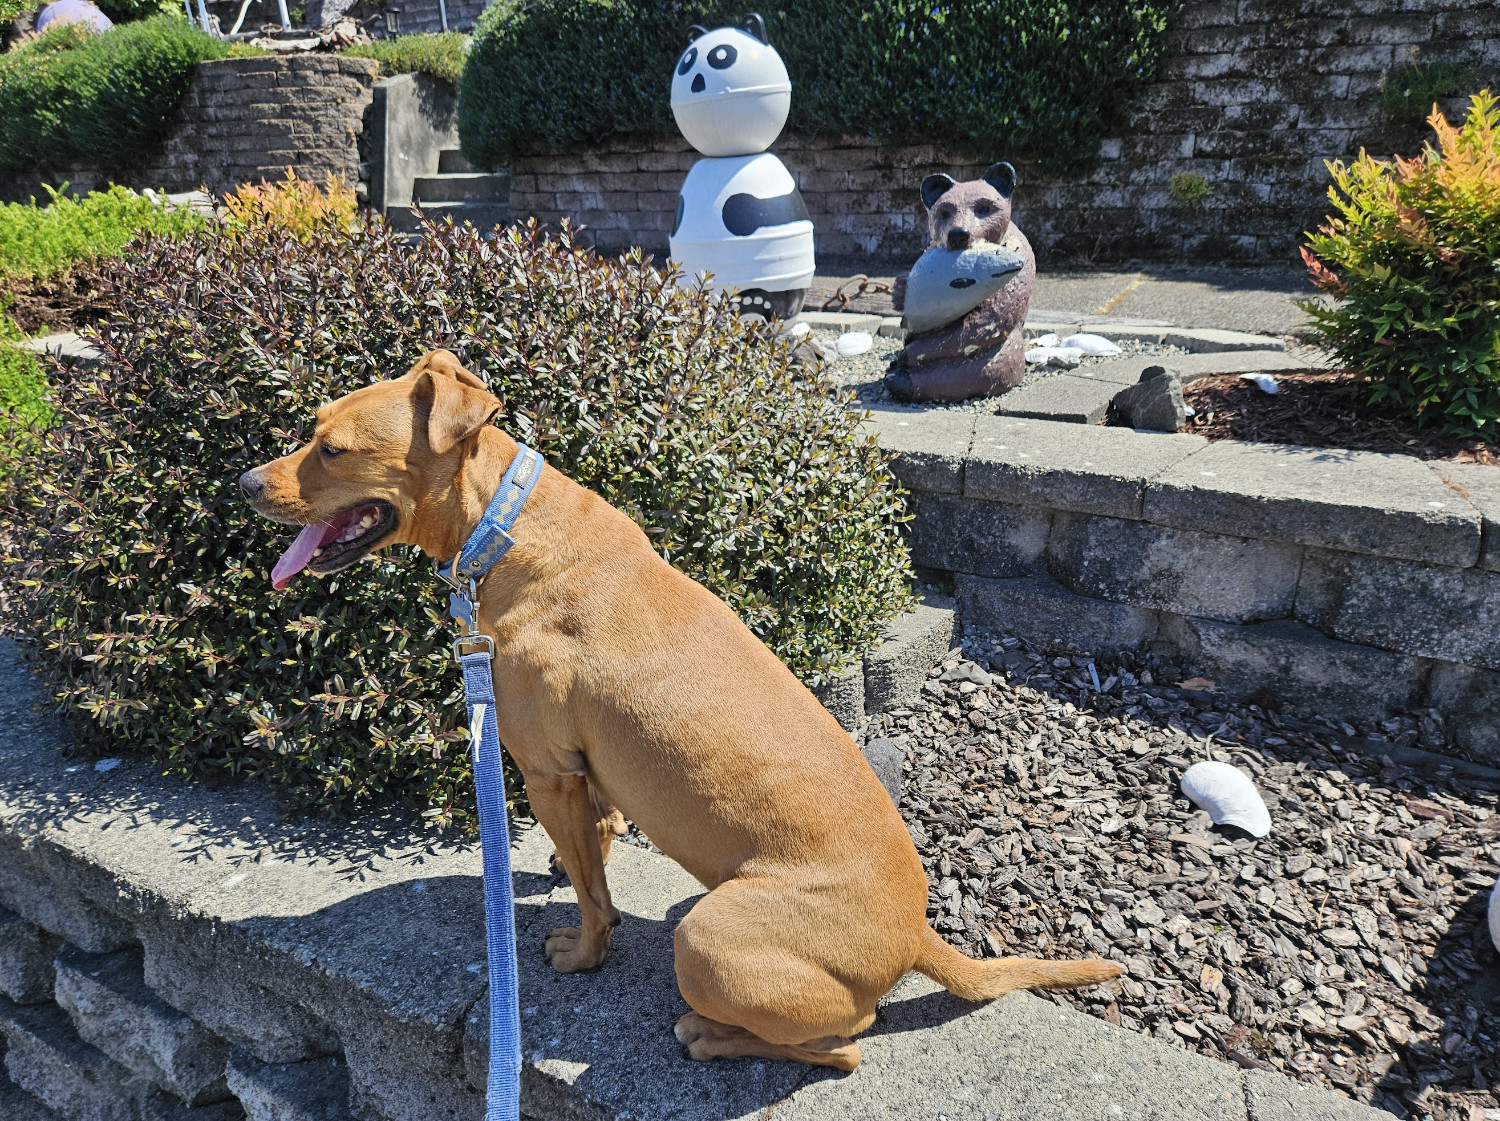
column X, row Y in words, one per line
column 23, row 397
column 441, row 55
column 42, row 241
column 1409, row 258
column 1190, row 188
column 73, row 99
column 1408, row 95
column 144, row 577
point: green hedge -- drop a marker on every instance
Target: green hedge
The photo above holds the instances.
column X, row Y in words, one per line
column 994, row 76
column 71, row 99
column 41, row 241
column 441, row 54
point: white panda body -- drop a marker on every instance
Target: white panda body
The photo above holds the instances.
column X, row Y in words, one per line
column 729, row 224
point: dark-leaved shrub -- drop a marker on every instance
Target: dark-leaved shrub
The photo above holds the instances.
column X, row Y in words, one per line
column 143, row 578
column 1409, row 260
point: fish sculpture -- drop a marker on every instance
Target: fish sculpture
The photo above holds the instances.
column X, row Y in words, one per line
column 946, row 284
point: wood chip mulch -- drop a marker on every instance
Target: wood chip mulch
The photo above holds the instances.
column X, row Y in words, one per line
column 1349, row 948
column 66, row 302
column 1321, row 410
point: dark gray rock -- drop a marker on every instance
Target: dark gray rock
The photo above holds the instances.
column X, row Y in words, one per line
column 26, row 955
column 315, row 1090
column 1155, row 402
column 885, row 759
column 46, row 1058
column 29, row 887
column 1479, row 485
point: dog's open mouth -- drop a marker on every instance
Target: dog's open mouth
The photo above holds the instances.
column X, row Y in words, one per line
column 325, row 547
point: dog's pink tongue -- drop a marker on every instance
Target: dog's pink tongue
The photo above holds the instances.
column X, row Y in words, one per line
column 295, row 559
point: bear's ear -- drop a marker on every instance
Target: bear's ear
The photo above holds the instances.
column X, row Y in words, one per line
column 1002, row 177
column 695, row 32
column 755, row 25
column 935, row 187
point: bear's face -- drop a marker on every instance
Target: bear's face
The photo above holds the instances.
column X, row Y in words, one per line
column 961, row 213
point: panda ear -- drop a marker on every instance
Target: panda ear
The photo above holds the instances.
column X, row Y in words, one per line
column 1002, row 177
column 935, row 187
column 755, row 25
column 695, row 31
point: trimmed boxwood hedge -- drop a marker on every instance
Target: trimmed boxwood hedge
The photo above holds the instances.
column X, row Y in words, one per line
column 143, row 578
column 1046, row 76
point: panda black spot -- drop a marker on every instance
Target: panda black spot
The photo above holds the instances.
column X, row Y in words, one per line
column 962, row 282
column 699, row 85
column 687, row 60
column 722, row 57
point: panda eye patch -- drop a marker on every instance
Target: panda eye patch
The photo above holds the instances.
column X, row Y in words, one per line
column 722, row 57
column 687, row 60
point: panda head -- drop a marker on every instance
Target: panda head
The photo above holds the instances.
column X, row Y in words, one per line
column 730, row 90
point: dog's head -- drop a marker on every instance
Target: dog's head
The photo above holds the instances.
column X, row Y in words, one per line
column 958, row 213
column 377, row 457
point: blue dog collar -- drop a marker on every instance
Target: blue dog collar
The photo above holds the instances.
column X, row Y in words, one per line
column 491, row 538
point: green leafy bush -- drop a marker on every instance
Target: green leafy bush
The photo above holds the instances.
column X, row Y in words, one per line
column 441, row 55
column 40, row 241
column 1408, row 95
column 991, row 75
column 24, row 407
column 144, row 577
column 1410, row 260
column 72, row 99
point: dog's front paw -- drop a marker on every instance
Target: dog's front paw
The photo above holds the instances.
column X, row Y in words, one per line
column 570, row 951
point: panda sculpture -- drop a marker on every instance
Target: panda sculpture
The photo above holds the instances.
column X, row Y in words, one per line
column 740, row 217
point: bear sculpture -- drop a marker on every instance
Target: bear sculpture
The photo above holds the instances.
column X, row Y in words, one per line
column 983, row 353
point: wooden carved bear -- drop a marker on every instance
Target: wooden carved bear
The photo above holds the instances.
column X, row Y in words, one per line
column 982, row 354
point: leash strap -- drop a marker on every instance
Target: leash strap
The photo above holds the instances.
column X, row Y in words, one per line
column 475, row 653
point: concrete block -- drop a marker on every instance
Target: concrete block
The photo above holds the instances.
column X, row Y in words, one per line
column 26, row 955
column 1479, row 485
column 844, row 696
column 221, row 993
column 1094, row 470
column 164, row 1107
column 1234, row 579
column 1469, row 699
column 28, row 889
column 46, row 1058
column 1296, row 663
column 930, row 445
column 17, row 1105
column 1043, row 611
column 316, row 1090
column 957, row 534
column 1207, row 340
column 112, row 1008
column 912, row 644
column 1064, row 397
column 1269, row 1097
column 1363, row 502
column 1431, row 610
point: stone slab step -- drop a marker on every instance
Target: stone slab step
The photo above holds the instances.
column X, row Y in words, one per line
column 451, row 162
column 481, row 214
column 476, row 186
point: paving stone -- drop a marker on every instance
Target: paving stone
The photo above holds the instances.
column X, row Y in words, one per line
column 956, row 534
column 46, row 1058
column 1210, row 340
column 1127, row 370
column 1424, row 609
column 930, row 445
column 1271, row 1098
column 896, row 669
column 844, row 696
column 1094, row 470
column 1042, row 611
column 1365, row 502
column 112, row 1008
column 1469, row 699
column 1298, row 664
column 17, row 1105
column 1479, row 485
column 1065, row 397
column 315, row 1090
column 26, row 955
column 1234, row 579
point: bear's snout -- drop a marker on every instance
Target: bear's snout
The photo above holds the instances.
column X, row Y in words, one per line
column 958, row 239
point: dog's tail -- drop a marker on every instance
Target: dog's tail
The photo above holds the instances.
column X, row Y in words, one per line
column 985, row 980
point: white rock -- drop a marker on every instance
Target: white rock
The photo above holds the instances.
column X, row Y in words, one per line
column 1228, row 795
column 853, row 342
column 107, row 764
column 1049, row 339
column 1065, row 356
column 795, row 330
column 1264, row 382
column 1093, row 345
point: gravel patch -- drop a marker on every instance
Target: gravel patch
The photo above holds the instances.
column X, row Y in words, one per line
column 864, row 374
column 1348, row 948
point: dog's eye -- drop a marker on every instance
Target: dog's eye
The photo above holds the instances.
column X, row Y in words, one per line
column 328, row 451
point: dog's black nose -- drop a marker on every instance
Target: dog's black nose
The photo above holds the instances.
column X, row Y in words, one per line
column 252, row 484
column 958, row 239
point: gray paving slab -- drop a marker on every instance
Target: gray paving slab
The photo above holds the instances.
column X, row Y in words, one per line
column 65, row 346
column 1190, row 367
column 1213, row 340
column 1092, row 469
column 931, row 445
column 1268, row 1098
column 1364, row 502
column 1065, row 397
column 1479, row 485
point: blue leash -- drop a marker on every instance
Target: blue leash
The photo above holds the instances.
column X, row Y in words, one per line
column 475, row 653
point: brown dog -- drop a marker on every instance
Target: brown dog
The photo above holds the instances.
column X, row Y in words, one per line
column 817, row 900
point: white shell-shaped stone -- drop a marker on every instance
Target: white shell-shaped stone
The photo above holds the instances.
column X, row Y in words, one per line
column 1095, row 345
column 1228, row 795
column 1495, row 914
column 851, row 343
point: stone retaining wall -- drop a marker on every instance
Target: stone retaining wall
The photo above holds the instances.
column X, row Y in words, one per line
column 1254, row 95
column 1353, row 584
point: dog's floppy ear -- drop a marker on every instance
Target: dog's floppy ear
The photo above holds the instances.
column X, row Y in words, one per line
column 1002, row 177
column 935, row 187
column 455, row 403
